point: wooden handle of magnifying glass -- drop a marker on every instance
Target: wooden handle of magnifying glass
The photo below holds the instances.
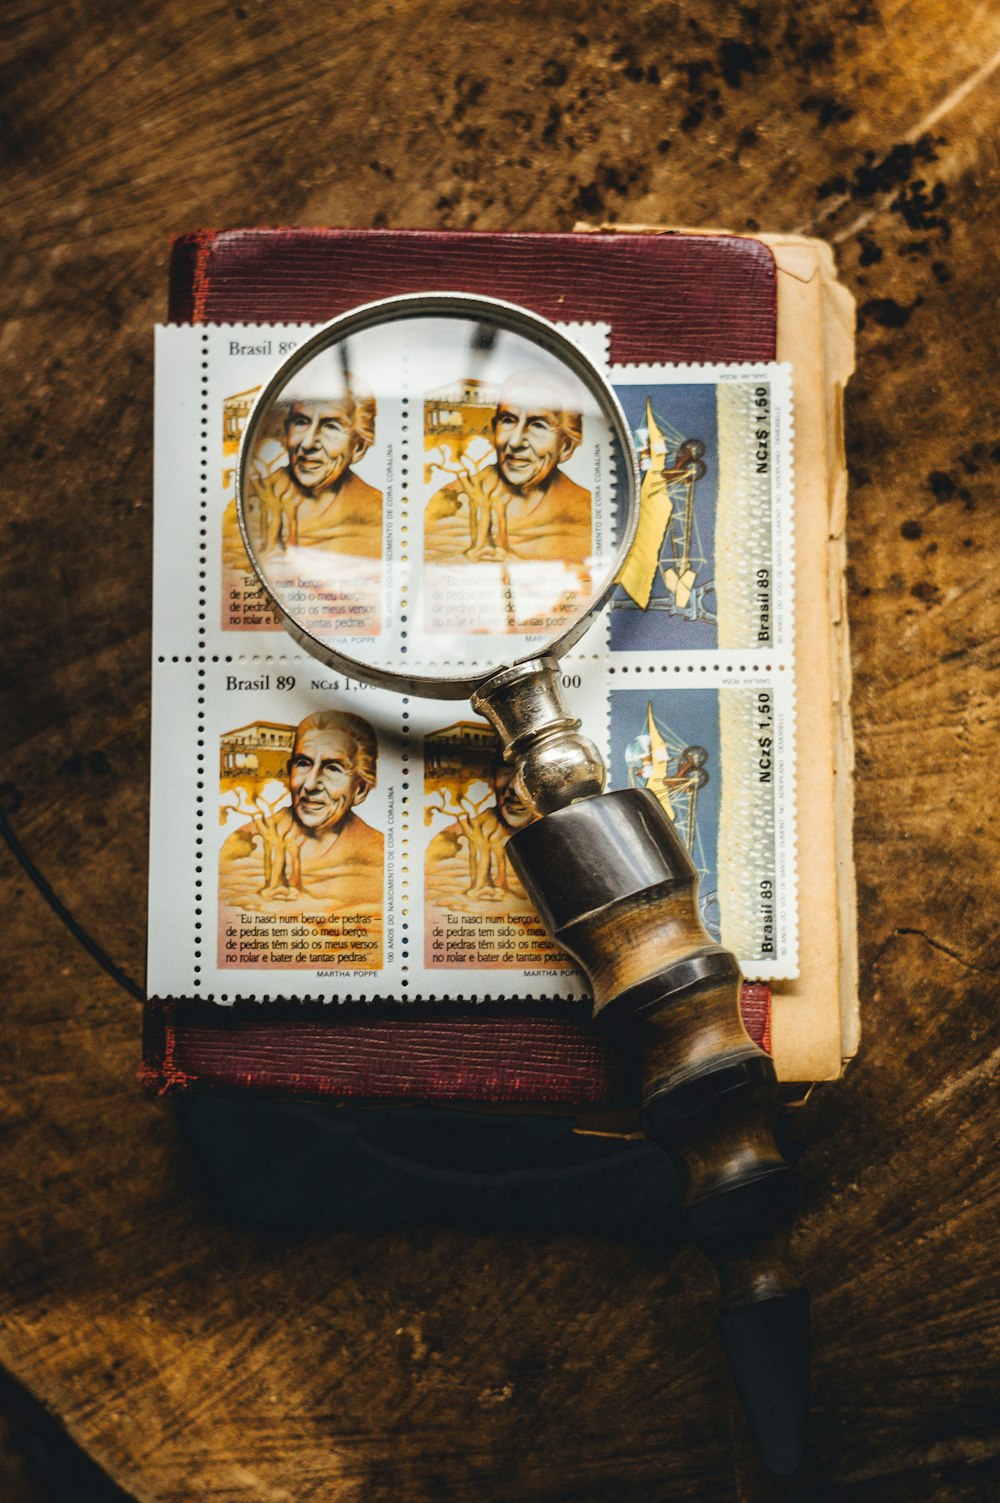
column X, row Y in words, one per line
column 618, row 890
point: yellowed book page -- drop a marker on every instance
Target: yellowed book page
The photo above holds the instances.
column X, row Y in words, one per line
column 814, row 1018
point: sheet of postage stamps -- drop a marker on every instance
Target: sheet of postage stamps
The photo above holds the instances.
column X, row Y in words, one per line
column 393, row 487
column 314, row 837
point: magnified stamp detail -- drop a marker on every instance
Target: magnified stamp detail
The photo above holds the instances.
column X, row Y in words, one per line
column 717, row 761
column 501, row 453
column 321, row 484
column 515, row 489
column 318, row 474
column 245, row 606
column 348, row 462
column 710, row 567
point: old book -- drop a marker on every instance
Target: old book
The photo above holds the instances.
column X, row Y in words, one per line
column 678, row 297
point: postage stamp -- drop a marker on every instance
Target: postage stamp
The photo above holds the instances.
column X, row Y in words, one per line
column 718, row 760
column 301, row 870
column 293, row 836
column 321, row 482
column 477, row 919
column 711, row 564
column 515, row 497
column 476, row 913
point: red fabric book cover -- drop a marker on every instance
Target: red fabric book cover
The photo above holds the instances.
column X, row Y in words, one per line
column 673, row 297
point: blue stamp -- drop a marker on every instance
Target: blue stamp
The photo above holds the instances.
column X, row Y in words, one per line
column 667, row 741
column 713, row 759
column 710, row 564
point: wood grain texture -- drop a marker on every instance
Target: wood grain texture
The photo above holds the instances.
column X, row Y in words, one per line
column 459, row 1356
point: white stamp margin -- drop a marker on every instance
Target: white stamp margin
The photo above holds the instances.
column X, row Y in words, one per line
column 177, row 470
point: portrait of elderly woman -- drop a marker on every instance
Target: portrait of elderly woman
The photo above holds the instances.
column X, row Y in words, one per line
column 313, row 847
column 520, row 504
column 312, row 519
column 313, row 499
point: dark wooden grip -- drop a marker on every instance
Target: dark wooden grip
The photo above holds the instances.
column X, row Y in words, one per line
column 618, row 890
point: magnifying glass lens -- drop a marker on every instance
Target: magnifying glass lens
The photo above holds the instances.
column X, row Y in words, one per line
column 433, row 495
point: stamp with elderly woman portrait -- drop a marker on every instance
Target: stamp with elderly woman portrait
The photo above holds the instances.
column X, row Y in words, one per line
column 513, row 487
column 314, row 508
column 301, row 869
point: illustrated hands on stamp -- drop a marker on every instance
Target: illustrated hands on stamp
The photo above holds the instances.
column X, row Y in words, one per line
column 479, row 824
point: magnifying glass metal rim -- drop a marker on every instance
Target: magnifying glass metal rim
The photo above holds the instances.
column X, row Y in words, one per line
column 514, row 320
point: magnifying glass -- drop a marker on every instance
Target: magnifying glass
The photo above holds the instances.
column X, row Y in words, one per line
column 474, row 589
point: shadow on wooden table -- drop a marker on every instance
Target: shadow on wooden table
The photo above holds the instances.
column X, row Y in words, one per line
column 294, row 1165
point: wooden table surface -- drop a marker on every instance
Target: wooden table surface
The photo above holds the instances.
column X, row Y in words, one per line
column 481, row 1346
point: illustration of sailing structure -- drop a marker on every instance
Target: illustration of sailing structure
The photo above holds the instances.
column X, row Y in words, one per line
column 664, row 563
column 674, row 772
